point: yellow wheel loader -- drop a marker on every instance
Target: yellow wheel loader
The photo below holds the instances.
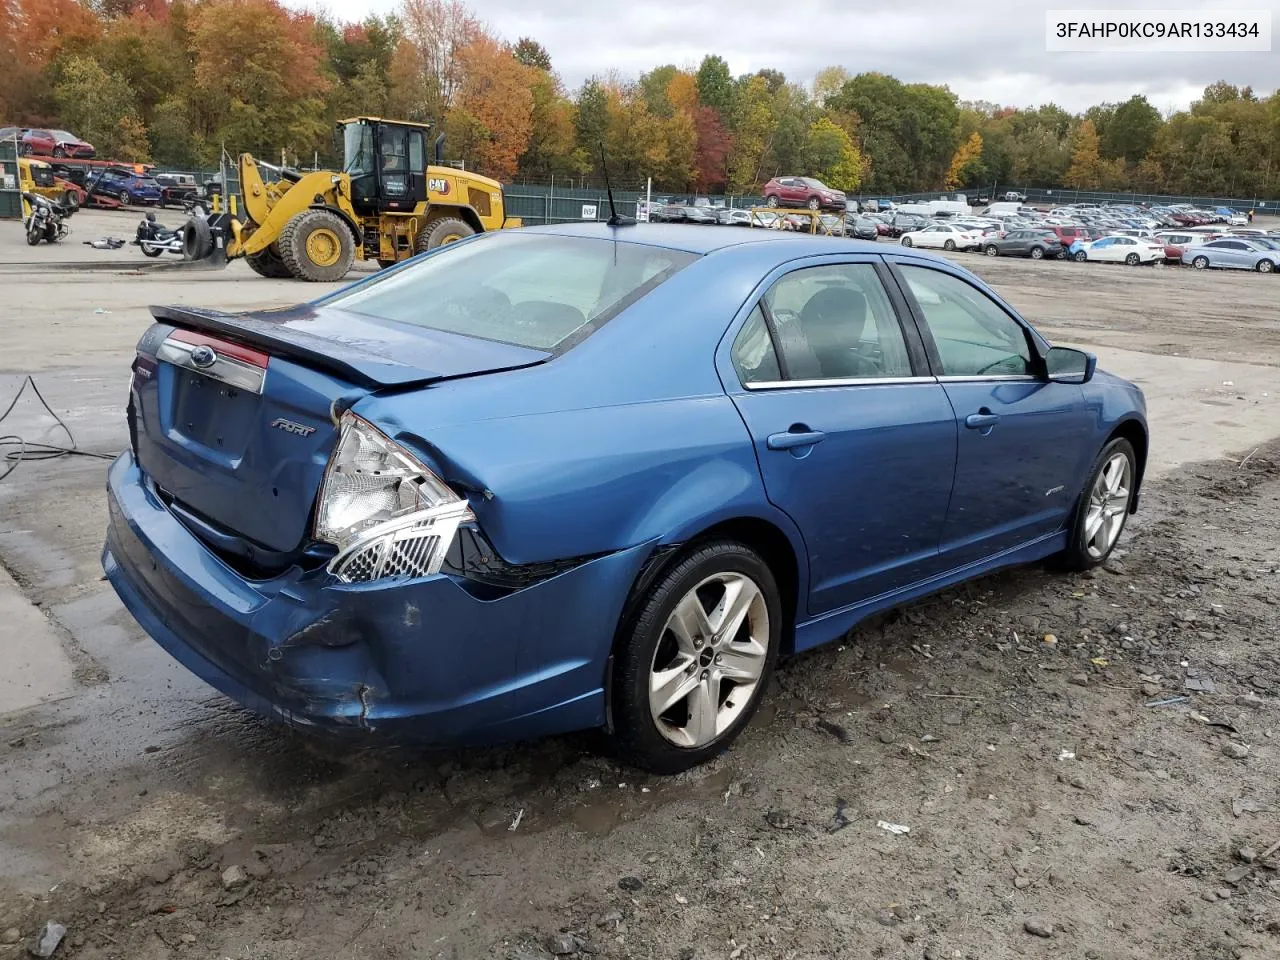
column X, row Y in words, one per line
column 386, row 204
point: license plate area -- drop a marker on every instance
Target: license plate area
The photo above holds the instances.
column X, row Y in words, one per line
column 212, row 413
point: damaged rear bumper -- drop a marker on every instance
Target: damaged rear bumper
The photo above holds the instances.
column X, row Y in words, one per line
column 426, row 659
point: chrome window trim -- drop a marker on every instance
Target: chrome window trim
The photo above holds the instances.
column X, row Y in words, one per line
column 228, row 370
column 983, row 378
column 836, row 382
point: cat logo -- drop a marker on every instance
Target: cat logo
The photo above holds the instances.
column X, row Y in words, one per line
column 438, row 185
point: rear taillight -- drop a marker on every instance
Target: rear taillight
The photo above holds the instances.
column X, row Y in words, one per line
column 388, row 514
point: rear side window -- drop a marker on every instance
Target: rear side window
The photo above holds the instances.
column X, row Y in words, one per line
column 837, row 323
column 753, row 355
column 528, row 289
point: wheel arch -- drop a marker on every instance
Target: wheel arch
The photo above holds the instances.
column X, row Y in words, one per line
column 775, row 546
column 1135, row 432
column 463, row 212
column 345, row 218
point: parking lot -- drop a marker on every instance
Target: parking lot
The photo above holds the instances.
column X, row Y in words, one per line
column 1008, row 723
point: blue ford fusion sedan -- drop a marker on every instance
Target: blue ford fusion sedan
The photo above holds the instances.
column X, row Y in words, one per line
column 570, row 477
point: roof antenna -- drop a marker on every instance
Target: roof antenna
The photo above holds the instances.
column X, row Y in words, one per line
column 614, row 219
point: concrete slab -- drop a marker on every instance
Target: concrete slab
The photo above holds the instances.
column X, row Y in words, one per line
column 33, row 666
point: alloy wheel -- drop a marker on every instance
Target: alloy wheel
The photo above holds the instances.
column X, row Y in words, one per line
column 1108, row 506
column 709, row 659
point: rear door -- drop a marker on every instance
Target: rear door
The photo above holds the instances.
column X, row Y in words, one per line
column 855, row 439
column 1021, row 437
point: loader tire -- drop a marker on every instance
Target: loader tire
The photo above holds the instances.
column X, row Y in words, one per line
column 317, row 246
column 268, row 263
column 442, row 232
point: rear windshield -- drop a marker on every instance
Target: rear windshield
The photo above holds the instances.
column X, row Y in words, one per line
column 527, row 289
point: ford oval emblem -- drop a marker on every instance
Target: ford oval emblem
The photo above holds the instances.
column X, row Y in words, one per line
column 203, row 356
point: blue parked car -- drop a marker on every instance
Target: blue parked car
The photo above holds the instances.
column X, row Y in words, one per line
column 128, row 187
column 1234, row 253
column 588, row 476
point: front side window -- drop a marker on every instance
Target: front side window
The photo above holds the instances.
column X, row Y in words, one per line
column 527, row 289
column 973, row 335
column 836, row 323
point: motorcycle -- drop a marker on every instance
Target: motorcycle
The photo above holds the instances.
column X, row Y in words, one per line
column 47, row 220
column 155, row 239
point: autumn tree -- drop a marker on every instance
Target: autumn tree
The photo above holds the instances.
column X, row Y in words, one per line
column 1085, row 172
column 966, row 157
column 430, row 58
column 832, row 155
column 532, row 54
column 492, row 118
column 828, row 82
column 552, row 150
column 752, row 125
column 712, row 155
column 101, row 106
column 258, row 86
column 715, row 84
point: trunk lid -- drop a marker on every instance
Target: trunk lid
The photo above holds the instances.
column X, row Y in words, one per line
column 233, row 415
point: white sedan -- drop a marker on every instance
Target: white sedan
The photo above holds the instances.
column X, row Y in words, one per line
column 945, row 235
column 1130, row 250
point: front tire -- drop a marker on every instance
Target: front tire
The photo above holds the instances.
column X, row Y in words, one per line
column 771, row 201
column 1037, row 253
column 1081, row 256
column 317, row 246
column 992, row 250
column 692, row 664
column 1265, row 266
column 814, row 203
column 949, row 246
column 34, row 234
column 1103, row 508
column 905, row 241
column 1200, row 263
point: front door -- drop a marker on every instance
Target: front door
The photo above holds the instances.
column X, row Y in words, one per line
column 855, row 441
column 402, row 156
column 1020, row 435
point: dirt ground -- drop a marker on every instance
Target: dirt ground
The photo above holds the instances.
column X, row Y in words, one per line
column 1062, row 798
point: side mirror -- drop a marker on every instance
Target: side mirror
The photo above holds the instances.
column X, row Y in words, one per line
column 1068, row 365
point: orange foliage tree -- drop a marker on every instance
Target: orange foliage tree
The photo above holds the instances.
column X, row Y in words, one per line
column 493, row 114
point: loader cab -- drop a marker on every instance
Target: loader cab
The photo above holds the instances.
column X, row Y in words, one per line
column 387, row 163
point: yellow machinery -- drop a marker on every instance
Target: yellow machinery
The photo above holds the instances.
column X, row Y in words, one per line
column 386, row 204
column 36, row 176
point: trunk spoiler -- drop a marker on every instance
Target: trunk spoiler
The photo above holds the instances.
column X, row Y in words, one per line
column 364, row 351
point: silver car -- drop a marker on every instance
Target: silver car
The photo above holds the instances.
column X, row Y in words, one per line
column 1233, row 254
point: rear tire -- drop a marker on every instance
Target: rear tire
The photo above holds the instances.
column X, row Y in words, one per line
column 1133, row 259
column 814, row 203
column 125, row 197
column 153, row 252
column 317, row 246
column 267, row 262
column 59, row 152
column 441, row 233
column 647, row 647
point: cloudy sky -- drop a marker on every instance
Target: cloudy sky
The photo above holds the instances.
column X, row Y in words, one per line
column 984, row 50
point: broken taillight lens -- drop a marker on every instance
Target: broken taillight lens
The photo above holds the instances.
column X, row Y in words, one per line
column 386, row 512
